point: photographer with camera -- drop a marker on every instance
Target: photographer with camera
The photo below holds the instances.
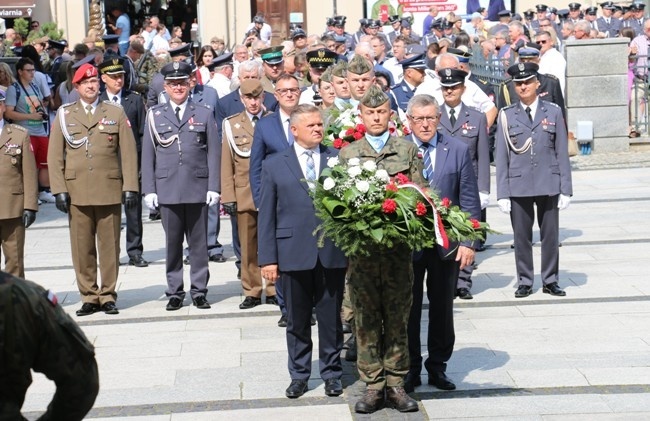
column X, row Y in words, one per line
column 27, row 107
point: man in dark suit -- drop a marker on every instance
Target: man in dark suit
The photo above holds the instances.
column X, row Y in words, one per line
column 533, row 170
column 272, row 135
column 469, row 125
column 112, row 72
column 181, row 159
column 113, row 52
column 312, row 276
column 449, row 172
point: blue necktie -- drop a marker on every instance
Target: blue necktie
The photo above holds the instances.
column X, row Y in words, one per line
column 310, row 173
column 428, row 167
column 289, row 134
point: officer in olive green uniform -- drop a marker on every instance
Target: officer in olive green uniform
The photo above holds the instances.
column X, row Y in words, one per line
column 273, row 64
column 18, row 192
column 236, row 194
column 36, row 334
column 93, row 165
column 380, row 284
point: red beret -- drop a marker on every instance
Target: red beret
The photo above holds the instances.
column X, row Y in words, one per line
column 84, row 72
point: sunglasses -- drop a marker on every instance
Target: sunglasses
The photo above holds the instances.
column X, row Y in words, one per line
column 539, row 41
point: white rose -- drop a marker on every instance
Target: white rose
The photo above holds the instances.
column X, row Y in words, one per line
column 329, row 182
column 382, row 175
column 363, row 186
column 353, row 162
column 354, row 171
column 332, row 162
column 369, row 166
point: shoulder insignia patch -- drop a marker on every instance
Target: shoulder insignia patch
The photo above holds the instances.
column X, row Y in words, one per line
column 17, row 127
column 112, row 103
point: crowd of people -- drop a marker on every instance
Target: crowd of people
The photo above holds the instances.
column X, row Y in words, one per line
column 242, row 130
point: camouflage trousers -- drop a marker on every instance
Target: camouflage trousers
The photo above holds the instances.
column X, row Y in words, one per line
column 380, row 291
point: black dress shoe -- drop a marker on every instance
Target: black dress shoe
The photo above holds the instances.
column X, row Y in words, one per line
column 553, row 289
column 464, row 294
column 333, row 387
column 218, row 258
column 440, row 380
column 273, row 300
column 154, row 216
column 87, row 309
column 523, row 291
column 411, row 381
column 296, row 389
column 283, row 321
column 396, row 397
column 347, row 327
column 351, row 353
column 174, row 303
column 109, row 308
column 250, row 302
column 371, row 401
column 201, row 302
column 138, row 261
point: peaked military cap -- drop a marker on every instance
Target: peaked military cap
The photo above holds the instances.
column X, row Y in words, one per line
column 299, row 32
column 57, row 45
column 393, row 19
column 504, row 14
column 406, row 24
column 113, row 66
column 541, row 7
column 528, row 51
column 574, row 6
column 88, row 59
column 593, row 11
column 110, row 39
column 607, row 5
column 321, row 58
column 462, row 54
column 176, row 70
column 452, row 77
column 183, row 50
column 523, row 71
column 563, row 13
column 219, row 61
column 437, row 23
column 415, row 62
column 272, row 55
column 374, row 97
column 529, row 14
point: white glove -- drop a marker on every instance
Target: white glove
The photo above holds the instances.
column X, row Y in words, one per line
column 151, row 200
column 504, row 205
column 212, row 198
column 485, row 199
column 563, row 202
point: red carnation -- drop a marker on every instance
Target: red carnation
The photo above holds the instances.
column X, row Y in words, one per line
column 338, row 143
column 406, row 130
column 361, row 129
column 391, row 187
column 401, row 178
column 475, row 224
column 420, row 209
column 446, row 202
column 357, row 135
column 350, row 131
column 389, row 206
column 391, row 130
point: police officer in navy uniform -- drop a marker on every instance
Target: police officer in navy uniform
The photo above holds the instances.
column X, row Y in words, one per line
column 431, row 36
column 549, row 86
column 533, row 170
column 468, row 124
column 112, row 74
column 181, row 159
column 413, row 68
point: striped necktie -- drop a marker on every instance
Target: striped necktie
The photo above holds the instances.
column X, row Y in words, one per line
column 426, row 157
column 310, row 170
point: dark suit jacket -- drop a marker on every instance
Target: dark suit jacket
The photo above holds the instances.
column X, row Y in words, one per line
column 269, row 138
column 199, row 149
column 471, row 128
column 231, row 104
column 133, row 107
column 287, row 217
column 454, row 178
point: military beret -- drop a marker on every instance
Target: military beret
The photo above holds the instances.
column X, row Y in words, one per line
column 415, row 62
column 110, row 39
column 541, row 8
column 272, row 55
column 374, row 97
column 57, row 45
column 219, row 61
column 504, row 14
column 593, row 11
column 183, row 50
column 88, row 59
column 321, row 58
column 452, row 77
column 251, row 87
column 298, row 33
column 393, row 19
column 84, row 72
column 574, row 6
column 112, row 66
column 176, row 70
column 523, row 71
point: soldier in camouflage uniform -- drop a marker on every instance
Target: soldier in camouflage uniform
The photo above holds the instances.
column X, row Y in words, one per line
column 36, row 334
column 380, row 284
